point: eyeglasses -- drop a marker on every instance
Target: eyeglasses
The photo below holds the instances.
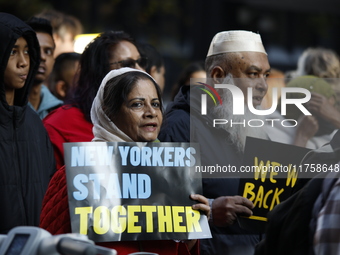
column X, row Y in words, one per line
column 142, row 62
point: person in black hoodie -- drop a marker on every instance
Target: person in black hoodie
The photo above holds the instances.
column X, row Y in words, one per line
column 26, row 154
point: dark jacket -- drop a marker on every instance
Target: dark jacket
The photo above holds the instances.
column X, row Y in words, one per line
column 293, row 221
column 26, row 154
column 184, row 123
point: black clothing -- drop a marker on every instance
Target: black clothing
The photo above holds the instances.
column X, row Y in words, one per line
column 287, row 230
column 26, row 154
column 291, row 224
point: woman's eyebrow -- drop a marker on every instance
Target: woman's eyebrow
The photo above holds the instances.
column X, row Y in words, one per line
column 137, row 98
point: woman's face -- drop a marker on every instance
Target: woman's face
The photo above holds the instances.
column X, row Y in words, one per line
column 140, row 116
column 125, row 54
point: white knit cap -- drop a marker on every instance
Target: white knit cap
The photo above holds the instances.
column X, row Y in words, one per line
column 235, row 41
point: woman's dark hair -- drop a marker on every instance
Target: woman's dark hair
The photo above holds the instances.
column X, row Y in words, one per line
column 118, row 88
column 184, row 77
column 94, row 65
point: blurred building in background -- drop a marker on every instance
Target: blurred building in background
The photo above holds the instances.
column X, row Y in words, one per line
column 182, row 29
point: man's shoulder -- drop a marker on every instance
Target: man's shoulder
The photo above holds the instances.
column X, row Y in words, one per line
column 176, row 126
column 177, row 116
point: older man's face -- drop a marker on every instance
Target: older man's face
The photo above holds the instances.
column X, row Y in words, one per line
column 251, row 69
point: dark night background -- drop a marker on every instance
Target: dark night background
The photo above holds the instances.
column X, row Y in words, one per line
column 182, row 29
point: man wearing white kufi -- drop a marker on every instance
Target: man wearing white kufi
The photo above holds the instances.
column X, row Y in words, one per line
column 239, row 58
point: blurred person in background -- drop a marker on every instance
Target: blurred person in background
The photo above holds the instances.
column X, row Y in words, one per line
column 311, row 131
column 318, row 70
column 65, row 29
column 40, row 98
column 155, row 64
column 193, row 70
column 275, row 80
column 62, row 78
column 323, row 63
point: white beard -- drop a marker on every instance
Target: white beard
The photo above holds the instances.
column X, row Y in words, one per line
column 238, row 132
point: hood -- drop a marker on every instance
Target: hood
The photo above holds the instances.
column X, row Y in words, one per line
column 189, row 99
column 181, row 100
column 12, row 28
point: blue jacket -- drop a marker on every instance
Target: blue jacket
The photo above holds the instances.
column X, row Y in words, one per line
column 48, row 102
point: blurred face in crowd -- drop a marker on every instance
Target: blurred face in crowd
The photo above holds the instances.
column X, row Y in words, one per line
column 17, row 66
column 47, row 47
column 140, row 116
column 125, row 54
column 63, row 87
column 159, row 76
column 63, row 44
column 198, row 75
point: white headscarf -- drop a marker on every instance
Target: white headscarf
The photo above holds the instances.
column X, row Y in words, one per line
column 104, row 129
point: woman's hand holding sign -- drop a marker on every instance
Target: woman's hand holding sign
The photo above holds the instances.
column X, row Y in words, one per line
column 203, row 205
column 226, row 209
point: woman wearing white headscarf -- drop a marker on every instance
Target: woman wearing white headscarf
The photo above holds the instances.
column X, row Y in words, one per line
column 127, row 108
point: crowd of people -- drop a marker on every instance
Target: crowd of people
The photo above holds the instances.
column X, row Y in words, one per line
column 112, row 92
